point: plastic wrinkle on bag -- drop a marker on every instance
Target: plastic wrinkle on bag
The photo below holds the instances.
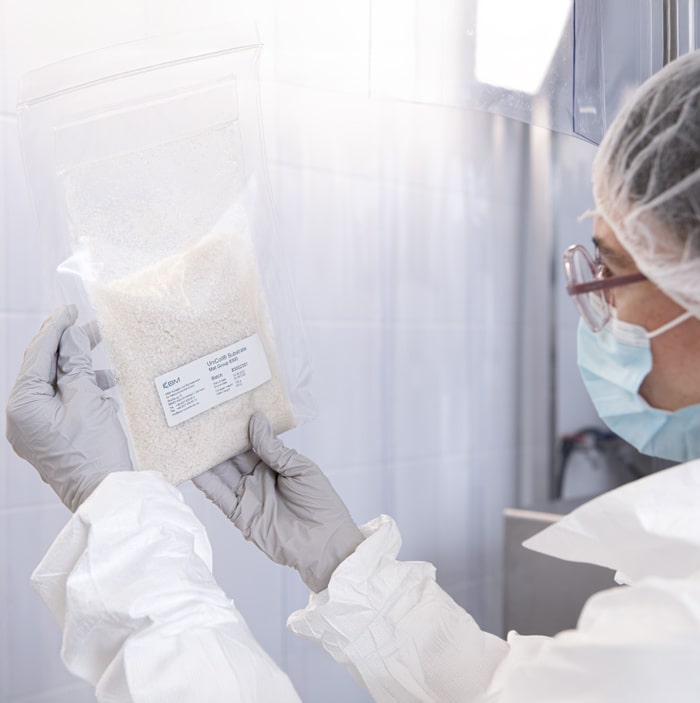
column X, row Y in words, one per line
column 147, row 169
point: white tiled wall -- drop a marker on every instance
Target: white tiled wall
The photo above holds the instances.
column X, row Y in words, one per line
column 397, row 226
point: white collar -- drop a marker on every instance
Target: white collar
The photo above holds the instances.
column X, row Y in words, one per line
column 649, row 527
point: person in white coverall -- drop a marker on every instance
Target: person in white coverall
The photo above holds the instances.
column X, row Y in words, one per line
column 169, row 633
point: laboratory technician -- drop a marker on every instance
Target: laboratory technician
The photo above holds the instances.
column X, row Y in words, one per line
column 129, row 577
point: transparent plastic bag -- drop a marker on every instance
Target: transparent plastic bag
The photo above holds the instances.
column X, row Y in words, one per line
column 147, row 169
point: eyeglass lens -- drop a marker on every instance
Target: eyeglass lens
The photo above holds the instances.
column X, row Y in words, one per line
column 593, row 306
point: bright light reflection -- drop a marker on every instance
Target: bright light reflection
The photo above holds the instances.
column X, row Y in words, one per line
column 516, row 40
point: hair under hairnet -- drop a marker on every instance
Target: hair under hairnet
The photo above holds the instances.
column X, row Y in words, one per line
column 646, row 179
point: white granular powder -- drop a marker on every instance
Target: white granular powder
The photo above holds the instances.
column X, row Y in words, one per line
column 175, row 312
column 159, row 312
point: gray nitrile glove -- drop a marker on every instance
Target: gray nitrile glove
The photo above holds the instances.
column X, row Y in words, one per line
column 282, row 502
column 58, row 417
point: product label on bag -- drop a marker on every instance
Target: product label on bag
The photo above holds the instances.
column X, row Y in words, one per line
column 204, row 383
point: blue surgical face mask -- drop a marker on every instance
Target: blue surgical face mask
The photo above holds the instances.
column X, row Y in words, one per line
column 613, row 364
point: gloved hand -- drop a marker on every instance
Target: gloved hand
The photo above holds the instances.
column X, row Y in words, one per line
column 282, row 502
column 58, row 417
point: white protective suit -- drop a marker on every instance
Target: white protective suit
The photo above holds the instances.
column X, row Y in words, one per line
column 172, row 635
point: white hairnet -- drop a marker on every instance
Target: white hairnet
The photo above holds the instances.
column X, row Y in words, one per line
column 646, row 179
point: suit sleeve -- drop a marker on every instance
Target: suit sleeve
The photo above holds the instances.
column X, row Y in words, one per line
column 129, row 581
column 396, row 630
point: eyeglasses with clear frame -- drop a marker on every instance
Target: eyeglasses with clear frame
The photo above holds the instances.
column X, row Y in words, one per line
column 588, row 285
